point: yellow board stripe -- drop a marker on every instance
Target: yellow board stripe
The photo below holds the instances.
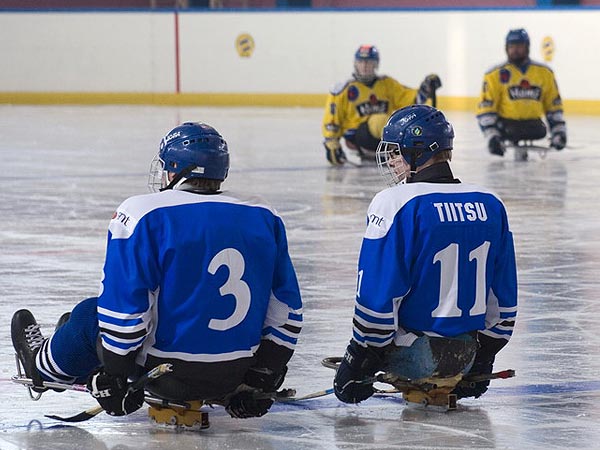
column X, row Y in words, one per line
column 588, row 107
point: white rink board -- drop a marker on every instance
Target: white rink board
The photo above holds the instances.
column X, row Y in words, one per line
column 296, row 52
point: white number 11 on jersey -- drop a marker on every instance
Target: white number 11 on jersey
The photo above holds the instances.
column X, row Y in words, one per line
column 448, row 299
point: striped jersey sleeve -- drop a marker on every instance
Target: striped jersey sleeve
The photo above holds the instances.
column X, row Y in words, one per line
column 283, row 321
column 372, row 328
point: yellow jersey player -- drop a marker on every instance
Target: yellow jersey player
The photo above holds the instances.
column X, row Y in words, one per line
column 358, row 109
column 516, row 95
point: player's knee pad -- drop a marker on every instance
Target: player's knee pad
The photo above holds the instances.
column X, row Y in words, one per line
column 432, row 357
column 375, row 123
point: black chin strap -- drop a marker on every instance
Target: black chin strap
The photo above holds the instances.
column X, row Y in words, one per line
column 413, row 167
column 183, row 174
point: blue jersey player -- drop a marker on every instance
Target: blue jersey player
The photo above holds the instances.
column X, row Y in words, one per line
column 194, row 277
column 437, row 284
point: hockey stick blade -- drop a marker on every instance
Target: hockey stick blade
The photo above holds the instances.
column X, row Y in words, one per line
column 472, row 380
column 158, row 371
column 317, row 394
column 81, row 417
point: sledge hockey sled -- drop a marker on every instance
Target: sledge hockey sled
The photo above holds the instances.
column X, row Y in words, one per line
column 435, row 392
column 523, row 148
column 186, row 415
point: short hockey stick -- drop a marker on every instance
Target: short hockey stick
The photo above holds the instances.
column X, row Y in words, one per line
column 333, row 362
column 316, row 394
column 158, row 371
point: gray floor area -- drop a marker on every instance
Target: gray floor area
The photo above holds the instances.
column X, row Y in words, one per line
column 65, row 169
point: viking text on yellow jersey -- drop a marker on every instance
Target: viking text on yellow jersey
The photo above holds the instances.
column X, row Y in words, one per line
column 351, row 103
column 517, row 94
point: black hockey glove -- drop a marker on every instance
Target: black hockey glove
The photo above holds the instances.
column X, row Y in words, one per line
column 255, row 403
column 265, row 379
column 480, row 367
column 333, row 151
column 246, row 404
column 114, row 395
column 358, row 365
column 430, row 84
column 559, row 140
column 495, row 146
column 483, row 365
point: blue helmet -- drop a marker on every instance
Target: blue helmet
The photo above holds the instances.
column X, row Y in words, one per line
column 191, row 150
column 417, row 132
column 367, row 52
column 518, row 36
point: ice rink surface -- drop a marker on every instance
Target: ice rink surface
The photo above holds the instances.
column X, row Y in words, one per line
column 65, row 170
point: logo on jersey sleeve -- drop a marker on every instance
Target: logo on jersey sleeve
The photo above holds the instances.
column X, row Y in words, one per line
column 376, row 220
column 121, row 217
column 525, row 91
column 122, row 225
column 352, row 93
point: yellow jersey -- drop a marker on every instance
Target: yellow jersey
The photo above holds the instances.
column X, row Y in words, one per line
column 351, row 103
column 519, row 94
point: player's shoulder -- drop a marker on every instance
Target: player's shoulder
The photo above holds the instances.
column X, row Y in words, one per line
column 477, row 189
column 248, row 200
column 386, row 79
column 540, row 66
column 497, row 68
column 340, row 86
column 391, row 205
column 139, row 206
column 396, row 197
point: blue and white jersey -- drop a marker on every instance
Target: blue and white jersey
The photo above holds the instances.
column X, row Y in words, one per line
column 437, row 259
column 199, row 278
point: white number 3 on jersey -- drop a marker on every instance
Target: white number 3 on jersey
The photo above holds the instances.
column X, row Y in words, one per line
column 234, row 285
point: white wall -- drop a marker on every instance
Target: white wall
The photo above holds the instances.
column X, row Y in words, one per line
column 89, row 52
column 296, row 52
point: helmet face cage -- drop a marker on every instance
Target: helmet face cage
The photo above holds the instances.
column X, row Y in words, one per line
column 364, row 69
column 366, row 62
column 157, row 177
column 392, row 165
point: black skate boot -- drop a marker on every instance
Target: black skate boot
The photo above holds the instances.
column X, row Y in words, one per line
column 27, row 339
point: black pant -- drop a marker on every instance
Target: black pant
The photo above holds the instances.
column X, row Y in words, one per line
column 365, row 142
column 521, row 130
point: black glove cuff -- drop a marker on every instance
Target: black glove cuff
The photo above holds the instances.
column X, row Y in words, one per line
column 365, row 359
column 265, row 379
